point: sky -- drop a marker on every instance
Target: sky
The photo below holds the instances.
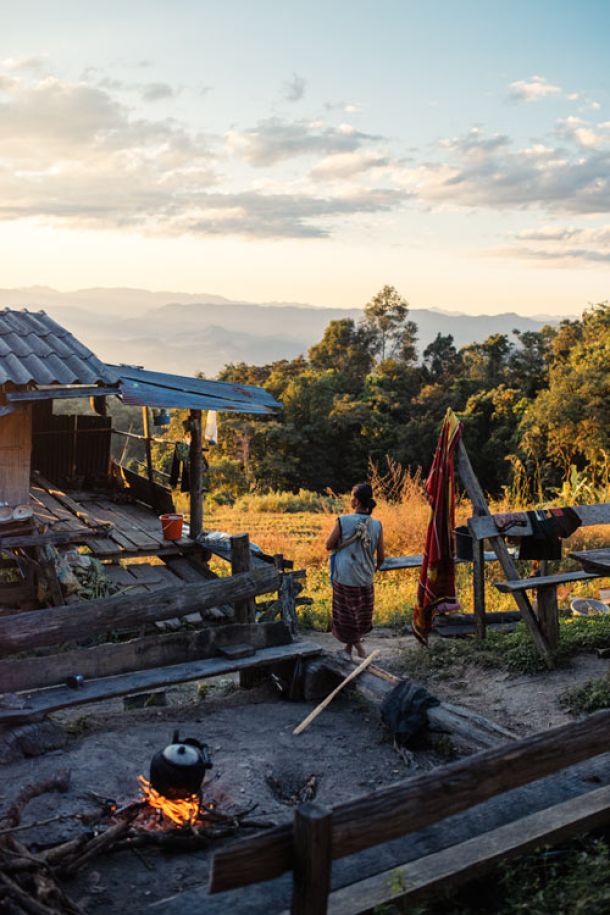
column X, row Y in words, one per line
column 309, row 151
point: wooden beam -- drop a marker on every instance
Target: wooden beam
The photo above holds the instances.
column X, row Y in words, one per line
column 478, row 586
column 418, row 802
column 195, row 471
column 312, row 860
column 476, row 496
column 433, row 875
column 45, row 701
column 541, row 581
column 60, row 393
column 136, row 654
column 148, row 451
column 53, row 537
column 54, row 626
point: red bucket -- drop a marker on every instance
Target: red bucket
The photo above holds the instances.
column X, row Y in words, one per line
column 171, row 526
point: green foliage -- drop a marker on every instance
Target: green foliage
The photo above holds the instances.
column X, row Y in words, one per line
column 512, row 651
column 302, row 501
column 573, row 879
column 589, row 697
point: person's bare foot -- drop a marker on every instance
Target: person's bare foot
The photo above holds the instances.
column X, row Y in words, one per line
column 347, row 649
column 360, row 650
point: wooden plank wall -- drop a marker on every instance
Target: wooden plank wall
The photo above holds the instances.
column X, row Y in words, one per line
column 15, row 456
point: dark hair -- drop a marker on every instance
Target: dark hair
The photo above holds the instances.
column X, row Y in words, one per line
column 364, row 493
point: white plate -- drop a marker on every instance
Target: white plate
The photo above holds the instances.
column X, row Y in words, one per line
column 588, row 606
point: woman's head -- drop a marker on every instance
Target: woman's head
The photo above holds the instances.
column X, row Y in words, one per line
column 362, row 498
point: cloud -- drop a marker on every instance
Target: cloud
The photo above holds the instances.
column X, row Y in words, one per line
column 564, row 245
column 346, row 107
column 294, row 90
column 532, row 90
column 154, row 92
column 24, row 64
column 275, row 140
column 343, row 166
column 73, row 153
column 491, row 172
column 580, row 132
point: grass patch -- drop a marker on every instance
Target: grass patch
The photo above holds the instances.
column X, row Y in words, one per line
column 293, row 503
column 512, row 651
column 589, row 697
column 568, row 880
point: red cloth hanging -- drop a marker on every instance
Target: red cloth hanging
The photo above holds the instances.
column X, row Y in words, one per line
column 436, row 588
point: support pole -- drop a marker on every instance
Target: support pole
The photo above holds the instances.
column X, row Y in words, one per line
column 196, row 467
column 478, row 585
column 312, row 860
column 240, row 562
column 148, row 450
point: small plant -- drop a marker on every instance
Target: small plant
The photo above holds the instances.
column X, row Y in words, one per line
column 589, row 697
column 203, row 690
column 443, row 745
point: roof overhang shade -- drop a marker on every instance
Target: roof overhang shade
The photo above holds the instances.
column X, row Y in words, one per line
column 159, row 389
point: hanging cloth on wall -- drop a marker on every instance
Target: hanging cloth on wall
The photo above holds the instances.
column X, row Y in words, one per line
column 549, row 528
column 436, row 588
column 180, row 467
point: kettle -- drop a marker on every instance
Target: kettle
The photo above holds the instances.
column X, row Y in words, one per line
column 178, row 771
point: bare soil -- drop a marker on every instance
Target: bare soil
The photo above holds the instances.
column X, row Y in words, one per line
column 256, row 758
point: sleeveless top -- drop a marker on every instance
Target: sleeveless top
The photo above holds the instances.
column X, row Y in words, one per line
column 355, row 565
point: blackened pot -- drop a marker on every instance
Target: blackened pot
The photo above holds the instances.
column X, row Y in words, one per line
column 178, row 771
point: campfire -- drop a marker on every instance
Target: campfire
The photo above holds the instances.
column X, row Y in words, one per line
column 170, row 813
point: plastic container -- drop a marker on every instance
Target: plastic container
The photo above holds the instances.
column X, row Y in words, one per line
column 463, row 542
column 171, row 526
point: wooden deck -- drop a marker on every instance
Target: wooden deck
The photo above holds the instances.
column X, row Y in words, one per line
column 133, row 529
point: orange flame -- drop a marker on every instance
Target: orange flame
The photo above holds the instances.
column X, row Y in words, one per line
column 182, row 812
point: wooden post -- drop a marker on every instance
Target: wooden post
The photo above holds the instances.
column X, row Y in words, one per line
column 479, row 503
column 478, row 584
column 196, row 467
column 286, row 594
column 240, row 562
column 148, row 449
column 312, row 860
column 548, row 614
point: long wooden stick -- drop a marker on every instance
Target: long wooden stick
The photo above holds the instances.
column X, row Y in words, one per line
column 319, row 708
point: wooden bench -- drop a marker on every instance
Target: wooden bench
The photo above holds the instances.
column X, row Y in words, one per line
column 544, row 586
column 36, row 685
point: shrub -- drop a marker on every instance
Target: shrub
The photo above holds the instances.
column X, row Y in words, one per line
column 288, row 502
column 588, row 697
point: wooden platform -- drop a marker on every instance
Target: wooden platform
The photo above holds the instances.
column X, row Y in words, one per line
column 133, row 529
column 42, row 702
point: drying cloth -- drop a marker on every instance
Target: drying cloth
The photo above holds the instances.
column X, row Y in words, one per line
column 504, row 520
column 548, row 526
column 174, row 474
column 404, row 711
column 436, row 588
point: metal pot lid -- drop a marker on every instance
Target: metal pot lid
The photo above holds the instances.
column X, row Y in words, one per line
column 181, row 754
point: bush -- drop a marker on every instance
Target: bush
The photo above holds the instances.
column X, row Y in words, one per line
column 589, row 697
column 289, row 502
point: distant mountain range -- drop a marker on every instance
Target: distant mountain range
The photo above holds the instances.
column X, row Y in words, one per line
column 187, row 333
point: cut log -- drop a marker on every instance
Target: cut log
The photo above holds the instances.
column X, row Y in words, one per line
column 468, row 729
column 57, row 625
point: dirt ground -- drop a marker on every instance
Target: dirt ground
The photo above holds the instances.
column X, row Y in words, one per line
column 256, row 758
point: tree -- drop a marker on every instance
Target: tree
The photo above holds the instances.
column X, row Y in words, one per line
column 392, row 334
column 345, row 348
column 441, row 359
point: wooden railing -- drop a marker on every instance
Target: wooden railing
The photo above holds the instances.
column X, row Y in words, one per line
column 317, row 836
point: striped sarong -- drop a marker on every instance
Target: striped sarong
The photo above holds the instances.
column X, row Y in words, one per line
column 352, row 612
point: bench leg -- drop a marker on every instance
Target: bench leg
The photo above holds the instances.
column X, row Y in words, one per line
column 478, row 586
column 548, row 614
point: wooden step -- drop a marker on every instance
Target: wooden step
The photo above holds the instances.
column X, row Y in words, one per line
column 44, row 701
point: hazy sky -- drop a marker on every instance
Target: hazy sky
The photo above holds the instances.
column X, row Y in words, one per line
column 309, row 151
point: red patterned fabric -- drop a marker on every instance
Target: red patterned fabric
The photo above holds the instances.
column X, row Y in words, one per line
column 436, row 588
column 352, row 612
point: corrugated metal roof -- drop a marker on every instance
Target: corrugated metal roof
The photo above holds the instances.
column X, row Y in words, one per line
column 158, row 389
column 36, row 349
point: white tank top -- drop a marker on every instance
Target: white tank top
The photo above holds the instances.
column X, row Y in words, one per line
column 355, row 565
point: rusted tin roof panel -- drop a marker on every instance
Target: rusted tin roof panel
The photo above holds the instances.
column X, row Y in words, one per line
column 35, row 349
column 136, row 393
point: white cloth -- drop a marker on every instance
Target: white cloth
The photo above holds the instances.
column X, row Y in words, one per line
column 355, row 565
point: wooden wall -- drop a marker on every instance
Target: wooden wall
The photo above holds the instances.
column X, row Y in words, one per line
column 15, row 456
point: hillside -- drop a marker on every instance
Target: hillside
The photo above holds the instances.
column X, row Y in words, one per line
column 183, row 332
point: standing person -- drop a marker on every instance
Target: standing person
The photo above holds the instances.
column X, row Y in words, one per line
column 357, row 544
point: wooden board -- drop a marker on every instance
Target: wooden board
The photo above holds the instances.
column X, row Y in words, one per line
column 56, row 698
column 15, row 456
column 594, row 560
column 58, row 625
column 391, row 563
column 435, row 874
column 135, row 654
column 590, row 515
column 543, row 581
